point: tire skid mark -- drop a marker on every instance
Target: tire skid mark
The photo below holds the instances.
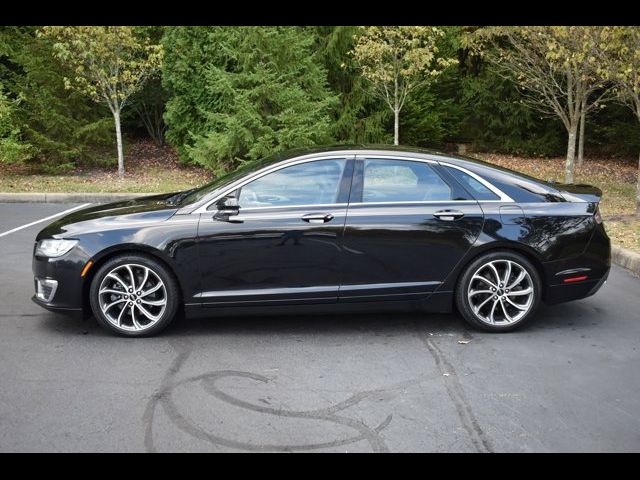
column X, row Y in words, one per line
column 457, row 395
column 152, row 404
column 164, row 399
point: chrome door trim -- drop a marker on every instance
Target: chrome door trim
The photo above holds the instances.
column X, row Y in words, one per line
column 318, row 289
column 373, row 286
column 266, row 291
column 250, row 215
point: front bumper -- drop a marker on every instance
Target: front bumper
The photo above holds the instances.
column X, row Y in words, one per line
column 63, row 272
column 70, row 312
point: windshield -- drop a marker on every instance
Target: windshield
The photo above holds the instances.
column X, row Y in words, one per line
column 197, row 194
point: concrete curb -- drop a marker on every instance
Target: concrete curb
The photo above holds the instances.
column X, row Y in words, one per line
column 37, row 197
column 626, row 259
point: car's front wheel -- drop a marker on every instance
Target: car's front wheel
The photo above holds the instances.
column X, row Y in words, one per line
column 134, row 295
column 498, row 291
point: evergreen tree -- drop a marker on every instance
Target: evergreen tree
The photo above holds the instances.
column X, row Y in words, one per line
column 244, row 92
column 12, row 148
column 63, row 127
column 358, row 117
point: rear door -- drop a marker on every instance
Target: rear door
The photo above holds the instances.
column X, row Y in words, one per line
column 408, row 224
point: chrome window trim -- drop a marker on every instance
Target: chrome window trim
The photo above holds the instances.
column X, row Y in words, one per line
column 503, row 197
column 274, row 168
column 392, row 156
column 412, row 202
column 283, row 216
column 319, row 206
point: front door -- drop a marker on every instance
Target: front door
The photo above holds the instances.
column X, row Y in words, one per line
column 283, row 247
column 407, row 227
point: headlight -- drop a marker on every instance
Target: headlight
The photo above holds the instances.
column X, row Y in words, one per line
column 54, row 248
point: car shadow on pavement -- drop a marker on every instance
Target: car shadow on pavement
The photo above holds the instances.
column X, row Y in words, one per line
column 565, row 316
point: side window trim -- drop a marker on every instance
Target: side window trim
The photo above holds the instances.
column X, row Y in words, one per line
column 241, row 183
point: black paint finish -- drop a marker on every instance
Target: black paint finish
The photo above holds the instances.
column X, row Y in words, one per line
column 397, row 255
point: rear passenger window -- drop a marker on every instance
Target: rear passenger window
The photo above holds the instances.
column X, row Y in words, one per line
column 402, row 181
column 476, row 188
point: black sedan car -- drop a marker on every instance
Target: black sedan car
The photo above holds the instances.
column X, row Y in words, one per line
column 340, row 229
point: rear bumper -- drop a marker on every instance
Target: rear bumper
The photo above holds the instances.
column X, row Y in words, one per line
column 594, row 264
column 574, row 291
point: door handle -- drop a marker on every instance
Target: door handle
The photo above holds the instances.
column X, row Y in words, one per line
column 448, row 215
column 317, row 217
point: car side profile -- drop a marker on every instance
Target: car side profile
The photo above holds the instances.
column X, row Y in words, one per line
column 341, row 229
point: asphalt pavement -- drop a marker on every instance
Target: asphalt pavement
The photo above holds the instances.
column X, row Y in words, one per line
column 567, row 381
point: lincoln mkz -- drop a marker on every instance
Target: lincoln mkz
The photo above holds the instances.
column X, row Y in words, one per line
column 344, row 229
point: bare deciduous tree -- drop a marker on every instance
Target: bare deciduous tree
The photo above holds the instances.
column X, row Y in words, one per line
column 619, row 61
column 555, row 68
column 109, row 64
column 397, row 60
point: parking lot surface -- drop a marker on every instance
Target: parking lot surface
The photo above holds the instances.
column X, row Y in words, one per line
column 568, row 381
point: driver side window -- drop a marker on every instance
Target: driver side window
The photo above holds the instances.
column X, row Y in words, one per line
column 310, row 183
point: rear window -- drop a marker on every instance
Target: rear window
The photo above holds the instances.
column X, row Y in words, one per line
column 389, row 180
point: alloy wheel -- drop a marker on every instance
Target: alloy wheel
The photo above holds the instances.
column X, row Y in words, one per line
column 132, row 297
column 501, row 292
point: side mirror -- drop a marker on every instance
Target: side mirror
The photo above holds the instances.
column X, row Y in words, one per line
column 227, row 206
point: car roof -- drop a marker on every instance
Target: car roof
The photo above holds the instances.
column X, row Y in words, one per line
column 356, row 148
column 373, row 149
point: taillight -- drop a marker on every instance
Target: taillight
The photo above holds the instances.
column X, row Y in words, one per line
column 596, row 216
column 575, row 279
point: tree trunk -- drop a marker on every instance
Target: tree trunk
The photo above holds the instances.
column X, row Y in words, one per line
column 636, row 102
column 581, row 140
column 571, row 154
column 396, row 127
column 116, row 118
column 396, row 113
column 638, row 191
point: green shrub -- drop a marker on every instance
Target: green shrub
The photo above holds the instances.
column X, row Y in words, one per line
column 12, row 148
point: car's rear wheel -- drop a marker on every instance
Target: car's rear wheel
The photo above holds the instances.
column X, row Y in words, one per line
column 134, row 295
column 499, row 291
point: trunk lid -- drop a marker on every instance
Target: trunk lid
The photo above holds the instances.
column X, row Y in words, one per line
column 578, row 192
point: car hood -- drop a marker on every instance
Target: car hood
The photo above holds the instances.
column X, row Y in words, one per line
column 122, row 214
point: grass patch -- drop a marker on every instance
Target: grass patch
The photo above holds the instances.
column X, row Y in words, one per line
column 148, row 181
column 624, row 232
column 149, row 169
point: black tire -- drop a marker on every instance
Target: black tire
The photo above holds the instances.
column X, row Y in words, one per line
column 138, row 263
column 463, row 303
